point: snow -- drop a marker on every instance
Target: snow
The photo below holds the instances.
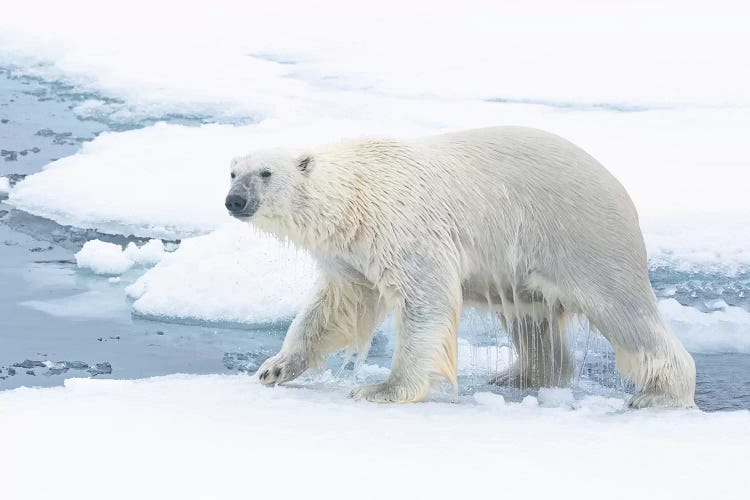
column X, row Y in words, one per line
column 4, row 186
column 214, row 436
column 254, row 60
column 699, row 243
column 150, row 253
column 232, row 275
column 556, row 397
column 102, row 257
column 132, row 183
column 490, row 400
column 724, row 330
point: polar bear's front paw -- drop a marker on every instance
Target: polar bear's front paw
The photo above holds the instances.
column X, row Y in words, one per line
column 281, row 368
column 390, row 392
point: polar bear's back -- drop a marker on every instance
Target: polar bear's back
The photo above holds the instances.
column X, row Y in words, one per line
column 521, row 191
column 526, row 161
column 517, row 169
column 502, row 196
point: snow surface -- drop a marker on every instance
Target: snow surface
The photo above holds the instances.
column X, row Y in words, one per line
column 148, row 254
column 724, row 330
column 233, row 275
column 145, row 182
column 238, row 58
column 4, row 186
column 192, row 437
column 699, row 243
column 102, row 257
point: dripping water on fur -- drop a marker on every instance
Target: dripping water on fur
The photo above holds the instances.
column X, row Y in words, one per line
column 531, row 349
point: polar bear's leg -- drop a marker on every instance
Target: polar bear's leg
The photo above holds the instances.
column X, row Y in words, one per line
column 543, row 358
column 426, row 349
column 341, row 315
column 646, row 350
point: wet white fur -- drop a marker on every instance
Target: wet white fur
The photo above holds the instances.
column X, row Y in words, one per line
column 512, row 219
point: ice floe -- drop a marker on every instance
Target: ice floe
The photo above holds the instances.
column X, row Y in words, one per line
column 233, row 275
column 724, row 330
column 102, row 257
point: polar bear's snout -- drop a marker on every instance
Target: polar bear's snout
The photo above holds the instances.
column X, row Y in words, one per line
column 241, row 202
column 235, row 203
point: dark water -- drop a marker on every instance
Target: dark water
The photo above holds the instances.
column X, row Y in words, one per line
column 723, row 381
column 58, row 322
column 37, row 126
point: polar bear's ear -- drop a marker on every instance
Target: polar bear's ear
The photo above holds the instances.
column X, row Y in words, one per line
column 304, row 162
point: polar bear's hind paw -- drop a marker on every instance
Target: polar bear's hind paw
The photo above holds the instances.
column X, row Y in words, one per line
column 656, row 400
column 389, row 392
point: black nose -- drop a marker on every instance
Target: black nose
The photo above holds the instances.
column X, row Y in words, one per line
column 235, row 203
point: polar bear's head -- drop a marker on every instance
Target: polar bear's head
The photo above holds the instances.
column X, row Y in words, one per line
column 265, row 185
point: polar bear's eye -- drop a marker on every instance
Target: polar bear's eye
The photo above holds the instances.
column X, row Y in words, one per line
column 233, row 175
column 265, row 173
column 303, row 163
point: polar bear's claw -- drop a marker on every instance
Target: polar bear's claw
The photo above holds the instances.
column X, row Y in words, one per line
column 281, row 368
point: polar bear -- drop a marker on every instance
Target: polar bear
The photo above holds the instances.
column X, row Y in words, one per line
column 508, row 219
